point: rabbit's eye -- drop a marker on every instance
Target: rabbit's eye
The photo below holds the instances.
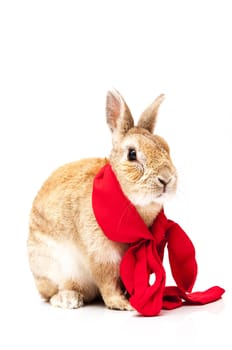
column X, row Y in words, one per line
column 131, row 154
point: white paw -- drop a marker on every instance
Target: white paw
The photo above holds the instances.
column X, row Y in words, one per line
column 67, row 299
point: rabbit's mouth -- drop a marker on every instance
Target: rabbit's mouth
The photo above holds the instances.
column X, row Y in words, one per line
column 165, row 194
column 163, row 197
column 146, row 198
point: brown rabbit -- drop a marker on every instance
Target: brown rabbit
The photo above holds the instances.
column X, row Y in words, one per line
column 70, row 257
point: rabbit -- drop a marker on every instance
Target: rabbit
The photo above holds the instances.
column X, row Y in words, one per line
column 71, row 259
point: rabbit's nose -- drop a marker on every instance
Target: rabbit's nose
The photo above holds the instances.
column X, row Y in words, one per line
column 164, row 181
column 164, row 176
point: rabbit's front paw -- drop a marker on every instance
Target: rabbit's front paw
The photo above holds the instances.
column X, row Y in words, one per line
column 118, row 302
column 67, row 299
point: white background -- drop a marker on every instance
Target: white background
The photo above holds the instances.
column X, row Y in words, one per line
column 57, row 61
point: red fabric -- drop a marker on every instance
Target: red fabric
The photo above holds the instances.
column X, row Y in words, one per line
column 121, row 222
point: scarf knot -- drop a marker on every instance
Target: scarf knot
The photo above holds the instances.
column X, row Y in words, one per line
column 120, row 222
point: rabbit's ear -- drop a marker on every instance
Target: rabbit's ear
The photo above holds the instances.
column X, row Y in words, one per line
column 148, row 117
column 118, row 115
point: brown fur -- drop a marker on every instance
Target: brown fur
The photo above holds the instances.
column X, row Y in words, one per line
column 70, row 257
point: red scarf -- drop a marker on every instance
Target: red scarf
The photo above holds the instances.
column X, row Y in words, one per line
column 121, row 222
